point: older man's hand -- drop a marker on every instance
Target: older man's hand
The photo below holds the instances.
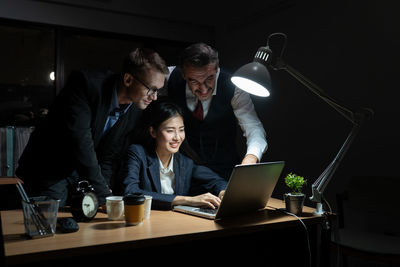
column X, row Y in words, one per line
column 249, row 159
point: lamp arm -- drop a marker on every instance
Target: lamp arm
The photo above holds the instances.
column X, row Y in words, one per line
column 356, row 118
column 318, row 187
column 344, row 111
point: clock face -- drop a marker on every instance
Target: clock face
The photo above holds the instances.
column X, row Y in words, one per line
column 89, row 205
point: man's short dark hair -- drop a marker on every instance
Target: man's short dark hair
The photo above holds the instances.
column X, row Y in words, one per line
column 198, row 55
column 142, row 59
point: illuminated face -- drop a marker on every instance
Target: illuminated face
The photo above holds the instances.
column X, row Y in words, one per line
column 169, row 135
column 143, row 90
column 201, row 80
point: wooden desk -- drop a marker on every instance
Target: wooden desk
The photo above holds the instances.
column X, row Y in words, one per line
column 5, row 180
column 164, row 229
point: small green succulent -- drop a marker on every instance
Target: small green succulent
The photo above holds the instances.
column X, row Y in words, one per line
column 295, row 182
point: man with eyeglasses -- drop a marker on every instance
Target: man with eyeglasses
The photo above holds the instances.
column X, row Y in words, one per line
column 87, row 128
column 213, row 108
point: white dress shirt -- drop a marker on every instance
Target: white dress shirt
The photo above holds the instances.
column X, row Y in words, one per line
column 167, row 177
column 243, row 108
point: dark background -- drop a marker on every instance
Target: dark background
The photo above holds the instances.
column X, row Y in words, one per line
column 347, row 47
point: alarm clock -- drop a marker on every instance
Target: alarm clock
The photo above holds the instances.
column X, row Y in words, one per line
column 84, row 202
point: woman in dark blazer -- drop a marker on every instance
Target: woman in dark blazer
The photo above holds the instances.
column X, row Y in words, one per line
column 155, row 167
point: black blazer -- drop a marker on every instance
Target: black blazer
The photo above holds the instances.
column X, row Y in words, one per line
column 141, row 174
column 70, row 138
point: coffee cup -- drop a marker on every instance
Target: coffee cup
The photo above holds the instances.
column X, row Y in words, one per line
column 115, row 207
column 147, row 206
column 134, row 208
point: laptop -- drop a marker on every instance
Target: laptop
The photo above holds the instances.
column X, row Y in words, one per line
column 248, row 190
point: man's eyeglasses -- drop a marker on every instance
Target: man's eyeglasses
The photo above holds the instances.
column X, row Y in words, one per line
column 150, row 91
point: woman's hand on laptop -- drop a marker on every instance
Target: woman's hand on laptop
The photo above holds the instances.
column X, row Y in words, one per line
column 203, row 200
column 221, row 194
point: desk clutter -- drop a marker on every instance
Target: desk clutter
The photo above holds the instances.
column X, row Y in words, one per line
column 133, row 208
column 163, row 234
column 67, row 225
column 40, row 213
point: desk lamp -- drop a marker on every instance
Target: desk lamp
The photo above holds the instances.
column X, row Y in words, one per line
column 254, row 78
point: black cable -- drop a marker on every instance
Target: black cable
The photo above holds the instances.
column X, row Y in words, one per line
column 305, row 228
column 336, row 236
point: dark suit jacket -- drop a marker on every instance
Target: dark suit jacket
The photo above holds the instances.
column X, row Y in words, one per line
column 70, row 138
column 213, row 138
column 141, row 174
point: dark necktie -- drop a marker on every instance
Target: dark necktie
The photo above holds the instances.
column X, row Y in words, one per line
column 198, row 111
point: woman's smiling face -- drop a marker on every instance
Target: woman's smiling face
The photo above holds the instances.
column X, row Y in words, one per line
column 169, row 136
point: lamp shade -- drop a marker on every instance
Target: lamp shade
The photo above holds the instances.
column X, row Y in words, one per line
column 253, row 78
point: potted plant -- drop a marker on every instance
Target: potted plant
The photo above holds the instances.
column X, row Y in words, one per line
column 294, row 200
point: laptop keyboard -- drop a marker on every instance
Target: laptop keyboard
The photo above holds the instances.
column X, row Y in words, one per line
column 208, row 210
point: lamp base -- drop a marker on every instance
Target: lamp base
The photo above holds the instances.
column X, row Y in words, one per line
column 319, row 210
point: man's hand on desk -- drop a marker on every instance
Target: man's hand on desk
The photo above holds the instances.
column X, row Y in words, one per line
column 249, row 159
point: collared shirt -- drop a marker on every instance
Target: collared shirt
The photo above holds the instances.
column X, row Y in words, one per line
column 115, row 111
column 244, row 111
column 167, row 177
